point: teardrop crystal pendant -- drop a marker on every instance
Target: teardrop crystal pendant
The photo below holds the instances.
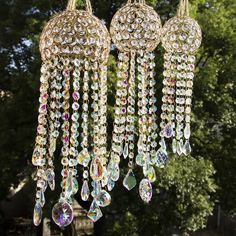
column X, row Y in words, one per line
column 151, row 174
column 130, row 181
column 37, row 216
column 145, row 190
column 85, row 192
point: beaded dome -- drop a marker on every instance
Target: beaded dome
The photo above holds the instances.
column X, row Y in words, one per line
column 136, row 26
column 181, row 34
column 75, row 33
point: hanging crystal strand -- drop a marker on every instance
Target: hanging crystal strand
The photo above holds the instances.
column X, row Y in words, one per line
column 152, row 112
column 54, row 120
column 39, row 157
column 84, row 156
column 142, row 157
column 63, row 209
column 146, row 119
column 189, row 68
column 102, row 122
column 180, row 103
column 96, row 166
column 168, row 100
column 130, row 181
column 149, row 70
column 119, row 120
column 74, row 133
column 66, row 180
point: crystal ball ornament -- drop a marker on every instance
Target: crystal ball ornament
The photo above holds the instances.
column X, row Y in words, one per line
column 136, row 31
column 136, row 27
column 74, row 47
column 181, row 38
column 62, row 214
column 181, row 34
column 77, row 33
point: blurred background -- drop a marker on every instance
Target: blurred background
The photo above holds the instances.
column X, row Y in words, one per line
column 190, row 193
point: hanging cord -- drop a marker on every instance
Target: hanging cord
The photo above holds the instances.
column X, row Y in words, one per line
column 183, row 9
column 136, row 1
column 130, row 1
column 72, row 5
column 186, row 8
column 88, row 6
column 142, row 1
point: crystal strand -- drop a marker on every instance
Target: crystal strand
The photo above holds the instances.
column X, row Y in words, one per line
column 40, row 152
column 180, row 103
column 62, row 212
column 96, row 166
column 74, row 133
column 145, row 109
column 54, row 119
column 150, row 171
column 189, row 60
column 168, row 106
column 152, row 112
column 66, row 180
column 145, row 186
column 172, row 97
column 102, row 128
column 41, row 137
column 130, row 181
column 119, row 120
column 142, row 157
column 169, row 91
column 84, row 155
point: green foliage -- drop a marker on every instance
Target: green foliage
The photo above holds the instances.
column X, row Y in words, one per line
column 181, row 201
column 185, row 187
column 189, row 183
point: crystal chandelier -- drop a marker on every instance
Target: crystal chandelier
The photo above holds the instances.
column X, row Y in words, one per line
column 74, row 47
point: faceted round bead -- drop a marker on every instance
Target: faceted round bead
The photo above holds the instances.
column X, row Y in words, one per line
column 62, row 214
column 103, row 199
column 168, row 131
